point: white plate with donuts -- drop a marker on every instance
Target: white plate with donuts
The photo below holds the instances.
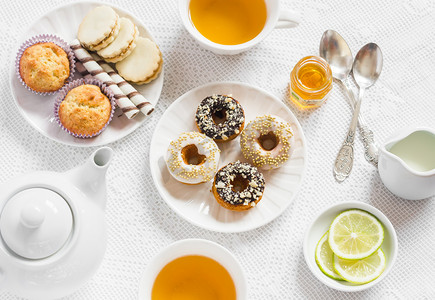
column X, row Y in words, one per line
column 38, row 110
column 196, row 203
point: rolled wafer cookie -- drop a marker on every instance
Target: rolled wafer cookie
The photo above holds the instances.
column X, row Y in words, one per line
column 82, row 70
column 138, row 99
column 127, row 107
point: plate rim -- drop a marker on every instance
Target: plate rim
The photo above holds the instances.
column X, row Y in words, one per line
column 12, row 75
column 197, row 223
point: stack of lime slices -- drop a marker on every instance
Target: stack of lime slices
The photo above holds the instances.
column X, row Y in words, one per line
column 351, row 249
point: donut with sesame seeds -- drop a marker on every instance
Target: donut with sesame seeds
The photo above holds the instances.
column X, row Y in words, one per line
column 238, row 186
column 266, row 142
column 193, row 158
column 220, row 117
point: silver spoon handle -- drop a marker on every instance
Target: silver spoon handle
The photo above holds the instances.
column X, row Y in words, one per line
column 356, row 111
column 344, row 161
column 370, row 147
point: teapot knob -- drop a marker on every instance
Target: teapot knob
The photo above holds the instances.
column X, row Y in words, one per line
column 32, row 216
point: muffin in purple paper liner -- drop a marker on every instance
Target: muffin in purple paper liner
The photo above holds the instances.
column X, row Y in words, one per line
column 44, row 64
column 84, row 107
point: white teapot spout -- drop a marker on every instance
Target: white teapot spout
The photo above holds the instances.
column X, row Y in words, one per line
column 90, row 178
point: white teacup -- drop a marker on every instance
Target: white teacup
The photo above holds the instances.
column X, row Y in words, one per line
column 193, row 247
column 276, row 18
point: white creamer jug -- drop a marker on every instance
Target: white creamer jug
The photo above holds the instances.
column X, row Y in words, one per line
column 407, row 164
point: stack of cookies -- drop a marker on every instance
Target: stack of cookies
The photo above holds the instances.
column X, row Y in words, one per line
column 117, row 40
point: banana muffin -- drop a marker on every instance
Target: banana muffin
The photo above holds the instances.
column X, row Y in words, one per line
column 44, row 67
column 85, row 110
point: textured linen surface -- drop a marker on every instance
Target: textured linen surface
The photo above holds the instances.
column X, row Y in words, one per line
column 140, row 224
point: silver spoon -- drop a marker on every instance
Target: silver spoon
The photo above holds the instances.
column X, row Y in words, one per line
column 334, row 49
column 365, row 70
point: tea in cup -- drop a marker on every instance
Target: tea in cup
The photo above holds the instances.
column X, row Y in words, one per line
column 228, row 22
column 193, row 277
column 233, row 26
column 193, row 269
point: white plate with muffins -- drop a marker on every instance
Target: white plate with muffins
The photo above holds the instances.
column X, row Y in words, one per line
column 38, row 108
column 196, row 202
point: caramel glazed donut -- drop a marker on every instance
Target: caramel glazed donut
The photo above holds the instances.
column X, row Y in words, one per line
column 193, row 158
column 238, row 186
column 220, row 117
column 266, row 142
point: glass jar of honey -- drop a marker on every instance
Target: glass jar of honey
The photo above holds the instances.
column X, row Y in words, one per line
column 310, row 82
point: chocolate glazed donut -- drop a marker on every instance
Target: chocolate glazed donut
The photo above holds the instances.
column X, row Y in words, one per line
column 220, row 117
column 238, row 186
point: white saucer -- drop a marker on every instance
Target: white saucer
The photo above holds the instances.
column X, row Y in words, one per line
column 39, row 110
column 196, row 203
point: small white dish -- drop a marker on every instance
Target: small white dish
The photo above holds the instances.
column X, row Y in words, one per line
column 321, row 224
column 38, row 111
column 196, row 203
column 193, row 247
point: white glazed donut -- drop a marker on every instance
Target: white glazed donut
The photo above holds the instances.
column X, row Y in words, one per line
column 193, row 158
column 266, row 142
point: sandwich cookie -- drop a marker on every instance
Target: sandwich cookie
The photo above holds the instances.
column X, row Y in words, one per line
column 98, row 28
column 154, row 76
column 123, row 44
column 143, row 64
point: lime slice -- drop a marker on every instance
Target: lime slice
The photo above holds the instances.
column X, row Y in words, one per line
column 324, row 256
column 355, row 234
column 363, row 270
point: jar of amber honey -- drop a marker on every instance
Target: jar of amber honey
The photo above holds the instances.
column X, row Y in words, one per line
column 310, row 82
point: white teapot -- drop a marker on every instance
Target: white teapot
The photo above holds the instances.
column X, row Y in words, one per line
column 52, row 229
column 407, row 164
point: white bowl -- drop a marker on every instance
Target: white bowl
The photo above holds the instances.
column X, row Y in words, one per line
column 321, row 224
column 193, row 247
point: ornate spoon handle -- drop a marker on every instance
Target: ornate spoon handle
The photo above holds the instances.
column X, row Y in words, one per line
column 370, row 148
column 344, row 161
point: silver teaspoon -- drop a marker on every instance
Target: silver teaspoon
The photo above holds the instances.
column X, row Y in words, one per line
column 365, row 70
column 334, row 49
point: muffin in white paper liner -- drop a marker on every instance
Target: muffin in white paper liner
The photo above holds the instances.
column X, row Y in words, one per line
column 45, row 38
column 78, row 82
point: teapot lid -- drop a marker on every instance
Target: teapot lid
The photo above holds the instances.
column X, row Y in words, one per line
column 35, row 223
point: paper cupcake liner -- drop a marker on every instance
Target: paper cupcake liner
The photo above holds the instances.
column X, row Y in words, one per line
column 64, row 91
column 45, row 38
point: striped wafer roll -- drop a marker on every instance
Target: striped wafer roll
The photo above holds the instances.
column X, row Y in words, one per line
column 95, row 70
column 82, row 70
column 140, row 101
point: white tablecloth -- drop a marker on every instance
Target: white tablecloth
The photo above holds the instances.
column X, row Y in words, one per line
column 139, row 221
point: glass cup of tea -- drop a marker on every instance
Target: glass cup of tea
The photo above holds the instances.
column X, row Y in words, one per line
column 233, row 26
